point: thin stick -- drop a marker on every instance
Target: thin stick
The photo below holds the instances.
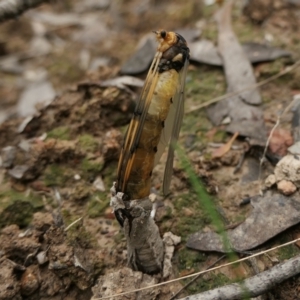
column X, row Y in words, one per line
column 73, row 223
column 201, row 272
column 248, row 88
column 253, row 286
column 270, row 136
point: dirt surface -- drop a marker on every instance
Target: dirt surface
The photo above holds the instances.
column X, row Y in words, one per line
column 61, row 132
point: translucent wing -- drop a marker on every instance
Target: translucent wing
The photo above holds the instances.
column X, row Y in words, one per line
column 136, row 125
column 153, row 125
column 172, row 128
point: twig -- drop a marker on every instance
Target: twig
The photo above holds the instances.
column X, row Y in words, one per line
column 270, row 136
column 253, row 286
column 73, row 223
column 248, row 88
column 10, row 9
column 195, row 278
column 201, row 272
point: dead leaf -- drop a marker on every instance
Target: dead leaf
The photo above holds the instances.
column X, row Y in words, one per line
column 39, row 92
column 140, row 61
column 205, row 52
column 11, row 64
column 55, row 19
column 272, row 214
column 123, row 81
column 238, row 70
column 7, row 156
column 225, row 148
column 242, row 110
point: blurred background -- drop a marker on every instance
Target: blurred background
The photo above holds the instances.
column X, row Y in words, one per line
column 62, row 121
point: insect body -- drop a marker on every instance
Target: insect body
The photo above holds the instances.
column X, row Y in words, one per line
column 157, row 118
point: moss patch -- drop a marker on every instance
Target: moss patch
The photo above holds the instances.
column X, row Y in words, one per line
column 210, row 32
column 61, row 133
column 87, row 142
column 77, row 233
column 20, row 213
column 64, row 69
column 81, row 192
column 109, row 174
column 91, row 165
column 9, row 196
column 193, row 260
column 287, row 252
column 55, row 175
column 212, row 281
column 187, row 223
column 190, row 259
column 16, row 208
column 202, row 86
column 97, row 204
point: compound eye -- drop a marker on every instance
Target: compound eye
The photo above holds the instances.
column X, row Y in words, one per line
column 163, row 34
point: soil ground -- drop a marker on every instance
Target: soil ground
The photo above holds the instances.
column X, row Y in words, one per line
column 60, row 168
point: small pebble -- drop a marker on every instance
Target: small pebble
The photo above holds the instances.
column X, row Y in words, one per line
column 286, row 187
column 99, row 184
column 271, row 180
column 77, row 177
column 42, row 257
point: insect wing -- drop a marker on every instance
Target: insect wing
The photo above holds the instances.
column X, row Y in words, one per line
column 136, row 125
column 172, row 128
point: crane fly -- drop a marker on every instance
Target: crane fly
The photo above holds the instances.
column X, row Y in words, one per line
column 156, row 120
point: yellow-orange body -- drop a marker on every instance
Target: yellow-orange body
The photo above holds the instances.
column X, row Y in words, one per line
column 152, row 125
column 139, row 181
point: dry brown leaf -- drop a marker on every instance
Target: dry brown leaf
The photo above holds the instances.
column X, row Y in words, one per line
column 225, row 148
